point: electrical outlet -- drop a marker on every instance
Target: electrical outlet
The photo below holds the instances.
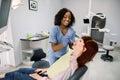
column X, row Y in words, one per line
column 115, row 43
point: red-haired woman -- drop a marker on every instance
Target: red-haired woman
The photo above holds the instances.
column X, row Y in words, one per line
column 84, row 50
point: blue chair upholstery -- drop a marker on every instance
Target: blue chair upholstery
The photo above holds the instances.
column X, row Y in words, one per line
column 41, row 64
column 38, row 54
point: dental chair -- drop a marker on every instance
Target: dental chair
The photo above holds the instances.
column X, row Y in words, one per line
column 37, row 56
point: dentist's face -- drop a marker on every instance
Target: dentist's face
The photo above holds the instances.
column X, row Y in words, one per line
column 66, row 19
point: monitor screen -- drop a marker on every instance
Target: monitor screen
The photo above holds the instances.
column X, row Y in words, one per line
column 4, row 13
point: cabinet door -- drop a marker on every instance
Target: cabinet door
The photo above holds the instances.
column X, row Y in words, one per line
column 4, row 58
column 27, row 47
column 40, row 44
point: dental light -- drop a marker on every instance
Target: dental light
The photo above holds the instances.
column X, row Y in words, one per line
column 16, row 4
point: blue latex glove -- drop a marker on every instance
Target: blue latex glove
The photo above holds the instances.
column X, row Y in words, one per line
column 65, row 40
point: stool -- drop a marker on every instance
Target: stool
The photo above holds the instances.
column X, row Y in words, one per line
column 107, row 57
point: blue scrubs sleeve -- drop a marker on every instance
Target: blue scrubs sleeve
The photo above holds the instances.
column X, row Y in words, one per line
column 53, row 34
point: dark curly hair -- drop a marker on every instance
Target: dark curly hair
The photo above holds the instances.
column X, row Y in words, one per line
column 59, row 16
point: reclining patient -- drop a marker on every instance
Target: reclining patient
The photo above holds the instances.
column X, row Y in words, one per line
column 84, row 49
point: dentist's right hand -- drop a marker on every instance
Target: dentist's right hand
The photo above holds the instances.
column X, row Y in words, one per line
column 65, row 40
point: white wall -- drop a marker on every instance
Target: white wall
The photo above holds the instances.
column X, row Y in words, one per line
column 109, row 7
column 80, row 10
column 25, row 21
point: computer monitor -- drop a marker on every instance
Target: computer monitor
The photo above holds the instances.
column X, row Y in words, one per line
column 4, row 14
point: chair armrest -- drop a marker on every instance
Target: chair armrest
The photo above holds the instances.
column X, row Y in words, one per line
column 41, row 64
column 79, row 73
column 38, row 54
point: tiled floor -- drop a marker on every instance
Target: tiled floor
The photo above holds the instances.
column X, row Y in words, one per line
column 103, row 70
column 98, row 69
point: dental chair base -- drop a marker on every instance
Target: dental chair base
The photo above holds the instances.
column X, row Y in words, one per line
column 107, row 57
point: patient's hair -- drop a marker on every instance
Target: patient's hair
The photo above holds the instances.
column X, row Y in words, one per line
column 59, row 16
column 86, row 38
column 91, row 50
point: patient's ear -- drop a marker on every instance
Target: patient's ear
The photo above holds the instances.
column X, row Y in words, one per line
column 84, row 49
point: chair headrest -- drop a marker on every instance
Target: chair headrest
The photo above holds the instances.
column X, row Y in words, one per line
column 79, row 73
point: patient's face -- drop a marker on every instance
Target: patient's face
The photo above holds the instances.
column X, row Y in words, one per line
column 78, row 45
